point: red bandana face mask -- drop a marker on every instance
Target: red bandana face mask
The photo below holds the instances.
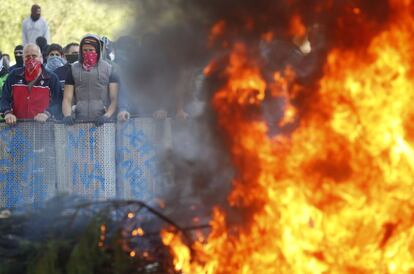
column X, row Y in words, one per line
column 32, row 68
column 89, row 60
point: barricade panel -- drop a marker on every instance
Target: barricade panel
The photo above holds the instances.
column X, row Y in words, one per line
column 86, row 160
column 142, row 144
column 27, row 164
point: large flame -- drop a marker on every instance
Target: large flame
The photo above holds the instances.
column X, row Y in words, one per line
column 337, row 194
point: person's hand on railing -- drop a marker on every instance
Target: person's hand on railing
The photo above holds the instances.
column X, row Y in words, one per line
column 123, row 116
column 10, row 119
column 160, row 114
column 68, row 120
column 181, row 114
column 101, row 120
column 41, row 117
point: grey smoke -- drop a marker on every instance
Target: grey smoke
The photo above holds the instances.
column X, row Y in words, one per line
column 172, row 39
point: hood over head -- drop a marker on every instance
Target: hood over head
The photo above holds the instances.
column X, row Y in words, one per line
column 93, row 40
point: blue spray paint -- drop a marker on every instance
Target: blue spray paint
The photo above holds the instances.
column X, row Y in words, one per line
column 86, row 170
column 132, row 172
column 22, row 173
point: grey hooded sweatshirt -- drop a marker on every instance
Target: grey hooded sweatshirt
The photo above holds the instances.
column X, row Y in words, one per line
column 91, row 88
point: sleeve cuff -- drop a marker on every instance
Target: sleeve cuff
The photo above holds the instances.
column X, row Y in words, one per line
column 47, row 113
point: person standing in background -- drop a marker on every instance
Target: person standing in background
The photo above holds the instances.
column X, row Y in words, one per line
column 55, row 57
column 35, row 26
column 71, row 52
column 6, row 61
column 18, row 56
column 42, row 43
column 3, row 71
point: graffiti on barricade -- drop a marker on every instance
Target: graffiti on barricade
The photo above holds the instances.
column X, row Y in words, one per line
column 139, row 173
column 21, row 168
column 87, row 170
column 38, row 161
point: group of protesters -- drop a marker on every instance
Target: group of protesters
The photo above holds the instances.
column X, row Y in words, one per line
column 77, row 82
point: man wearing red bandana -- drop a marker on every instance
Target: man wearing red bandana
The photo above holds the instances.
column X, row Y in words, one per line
column 91, row 84
column 30, row 92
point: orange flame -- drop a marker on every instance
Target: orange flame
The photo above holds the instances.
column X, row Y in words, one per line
column 337, row 195
column 180, row 251
column 216, row 31
column 297, row 28
column 248, row 87
column 268, row 36
column 137, row 232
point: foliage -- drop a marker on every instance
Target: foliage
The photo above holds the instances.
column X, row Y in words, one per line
column 86, row 256
column 68, row 20
column 75, row 237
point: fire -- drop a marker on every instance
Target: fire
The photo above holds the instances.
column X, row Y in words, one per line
column 137, row 232
column 249, row 87
column 216, row 31
column 180, row 251
column 297, row 27
column 336, row 196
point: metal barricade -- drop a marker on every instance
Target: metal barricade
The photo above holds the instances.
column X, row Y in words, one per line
column 125, row 160
column 27, row 164
column 143, row 169
column 85, row 156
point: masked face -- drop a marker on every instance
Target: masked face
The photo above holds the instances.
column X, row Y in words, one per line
column 35, row 15
column 18, row 55
column 32, row 69
column 72, row 58
column 73, row 54
column 55, row 62
column 32, row 63
column 90, row 57
column 89, row 60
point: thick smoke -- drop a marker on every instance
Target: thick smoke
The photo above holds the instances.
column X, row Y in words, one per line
column 174, row 45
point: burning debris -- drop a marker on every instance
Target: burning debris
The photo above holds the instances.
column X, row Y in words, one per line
column 75, row 236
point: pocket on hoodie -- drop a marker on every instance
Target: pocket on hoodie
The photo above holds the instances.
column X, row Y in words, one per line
column 96, row 109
